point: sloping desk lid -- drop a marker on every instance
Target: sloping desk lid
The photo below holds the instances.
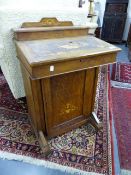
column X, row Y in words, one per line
column 45, row 51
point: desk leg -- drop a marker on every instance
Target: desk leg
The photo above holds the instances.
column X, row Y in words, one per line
column 95, row 121
column 41, row 139
column 35, row 108
column 44, row 144
column 89, row 96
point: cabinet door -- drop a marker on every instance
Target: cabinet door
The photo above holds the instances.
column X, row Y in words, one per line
column 118, row 28
column 113, row 27
column 129, row 36
column 107, row 28
column 117, row 1
column 68, row 100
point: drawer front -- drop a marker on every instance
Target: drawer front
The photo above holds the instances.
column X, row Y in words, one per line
column 71, row 66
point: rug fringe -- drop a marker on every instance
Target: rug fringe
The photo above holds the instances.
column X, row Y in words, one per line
column 97, row 91
column 46, row 164
column 117, row 84
column 109, row 129
column 125, row 172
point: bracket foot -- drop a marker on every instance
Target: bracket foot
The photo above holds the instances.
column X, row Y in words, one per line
column 44, row 144
column 95, row 121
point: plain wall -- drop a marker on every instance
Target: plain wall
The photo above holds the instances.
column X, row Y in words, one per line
column 100, row 7
column 128, row 21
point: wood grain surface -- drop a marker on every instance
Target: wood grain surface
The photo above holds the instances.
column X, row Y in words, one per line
column 60, row 66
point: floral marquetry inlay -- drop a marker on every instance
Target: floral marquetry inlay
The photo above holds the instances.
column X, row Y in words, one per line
column 47, row 22
column 68, row 108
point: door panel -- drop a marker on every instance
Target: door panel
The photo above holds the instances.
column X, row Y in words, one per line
column 107, row 28
column 63, row 97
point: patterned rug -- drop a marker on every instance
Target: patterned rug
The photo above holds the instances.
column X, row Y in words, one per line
column 121, row 99
column 81, row 151
column 121, row 72
column 121, row 75
column 7, row 100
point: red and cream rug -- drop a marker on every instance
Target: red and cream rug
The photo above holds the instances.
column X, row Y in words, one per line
column 121, row 75
column 121, row 99
column 80, row 151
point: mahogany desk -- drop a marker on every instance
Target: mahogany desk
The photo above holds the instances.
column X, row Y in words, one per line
column 60, row 68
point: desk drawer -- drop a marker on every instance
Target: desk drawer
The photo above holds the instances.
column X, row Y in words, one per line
column 58, row 68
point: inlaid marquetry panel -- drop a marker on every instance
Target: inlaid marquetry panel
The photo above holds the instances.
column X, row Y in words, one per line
column 64, row 98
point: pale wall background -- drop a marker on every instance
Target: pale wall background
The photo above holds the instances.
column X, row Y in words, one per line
column 47, row 4
column 128, row 21
column 57, row 4
column 67, row 4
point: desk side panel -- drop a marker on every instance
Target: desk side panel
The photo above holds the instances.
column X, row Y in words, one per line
column 34, row 100
column 89, row 91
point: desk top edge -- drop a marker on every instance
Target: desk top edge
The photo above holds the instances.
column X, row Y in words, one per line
column 32, row 63
column 42, row 29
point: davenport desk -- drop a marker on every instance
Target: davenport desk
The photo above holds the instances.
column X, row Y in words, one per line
column 60, row 66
